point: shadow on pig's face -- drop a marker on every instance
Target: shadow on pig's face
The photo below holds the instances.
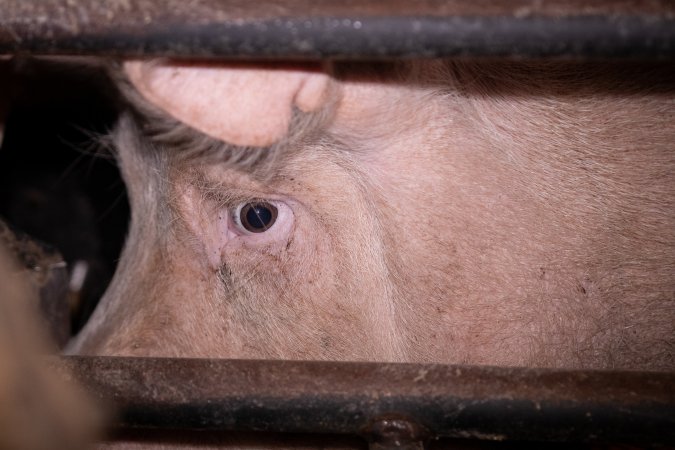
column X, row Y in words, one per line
column 424, row 215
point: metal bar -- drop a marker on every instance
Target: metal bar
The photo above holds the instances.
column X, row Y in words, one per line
column 307, row 29
column 378, row 401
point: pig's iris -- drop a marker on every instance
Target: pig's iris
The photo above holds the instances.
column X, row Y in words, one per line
column 258, row 217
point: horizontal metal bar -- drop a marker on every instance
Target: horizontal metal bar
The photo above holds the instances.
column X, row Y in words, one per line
column 339, row 28
column 371, row 399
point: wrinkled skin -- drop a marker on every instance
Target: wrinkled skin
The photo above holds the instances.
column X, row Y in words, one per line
column 504, row 214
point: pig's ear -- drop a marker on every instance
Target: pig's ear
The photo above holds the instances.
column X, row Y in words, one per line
column 243, row 105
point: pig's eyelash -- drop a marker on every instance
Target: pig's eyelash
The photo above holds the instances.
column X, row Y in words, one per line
column 223, row 196
column 231, row 200
column 226, row 196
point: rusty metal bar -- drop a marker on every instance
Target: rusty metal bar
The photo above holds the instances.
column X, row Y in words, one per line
column 339, row 28
column 379, row 401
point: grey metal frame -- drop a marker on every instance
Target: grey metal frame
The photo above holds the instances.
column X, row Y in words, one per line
column 351, row 29
column 383, row 402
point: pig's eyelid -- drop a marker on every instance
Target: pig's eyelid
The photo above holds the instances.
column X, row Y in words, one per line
column 234, row 215
column 230, row 200
column 227, row 196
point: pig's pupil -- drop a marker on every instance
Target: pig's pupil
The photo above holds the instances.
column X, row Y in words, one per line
column 258, row 217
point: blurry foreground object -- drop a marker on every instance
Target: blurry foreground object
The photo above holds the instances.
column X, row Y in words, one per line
column 45, row 272
column 37, row 409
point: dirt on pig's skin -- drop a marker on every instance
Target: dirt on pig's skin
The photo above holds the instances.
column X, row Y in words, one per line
column 518, row 214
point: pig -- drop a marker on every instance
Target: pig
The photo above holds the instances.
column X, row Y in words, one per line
column 470, row 212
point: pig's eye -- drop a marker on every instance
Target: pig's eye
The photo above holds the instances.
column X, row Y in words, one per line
column 256, row 217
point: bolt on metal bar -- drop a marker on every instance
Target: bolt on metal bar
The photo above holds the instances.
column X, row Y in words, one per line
column 385, row 403
column 306, row 29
